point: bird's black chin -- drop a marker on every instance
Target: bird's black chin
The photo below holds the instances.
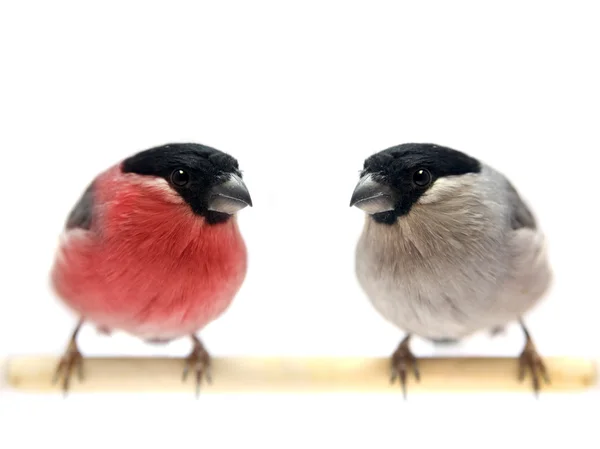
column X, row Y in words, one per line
column 213, row 218
column 388, row 218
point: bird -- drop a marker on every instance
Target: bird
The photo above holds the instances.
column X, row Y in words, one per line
column 153, row 248
column 448, row 248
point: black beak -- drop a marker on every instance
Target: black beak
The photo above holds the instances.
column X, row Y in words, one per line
column 372, row 196
column 230, row 196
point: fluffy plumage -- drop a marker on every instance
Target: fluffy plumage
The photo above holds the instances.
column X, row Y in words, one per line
column 454, row 265
column 460, row 253
column 152, row 258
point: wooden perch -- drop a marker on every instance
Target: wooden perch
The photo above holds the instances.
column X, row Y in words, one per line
column 296, row 375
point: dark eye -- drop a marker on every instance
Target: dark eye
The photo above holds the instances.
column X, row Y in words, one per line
column 180, row 178
column 422, row 177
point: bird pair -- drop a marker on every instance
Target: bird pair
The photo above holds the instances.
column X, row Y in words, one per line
column 448, row 248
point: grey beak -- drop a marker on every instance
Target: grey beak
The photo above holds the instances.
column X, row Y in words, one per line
column 230, row 196
column 372, row 196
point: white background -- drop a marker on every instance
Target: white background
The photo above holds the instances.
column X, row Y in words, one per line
column 300, row 93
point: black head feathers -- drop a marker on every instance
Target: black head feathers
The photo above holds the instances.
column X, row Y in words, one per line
column 395, row 178
column 209, row 180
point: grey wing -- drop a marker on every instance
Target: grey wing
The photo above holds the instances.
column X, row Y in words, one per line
column 521, row 215
column 531, row 274
column 81, row 215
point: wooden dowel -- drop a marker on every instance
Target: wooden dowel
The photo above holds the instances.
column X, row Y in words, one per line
column 271, row 375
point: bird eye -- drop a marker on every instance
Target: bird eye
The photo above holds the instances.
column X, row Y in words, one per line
column 422, row 177
column 180, row 178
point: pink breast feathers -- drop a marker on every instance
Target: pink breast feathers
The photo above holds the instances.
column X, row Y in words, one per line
column 148, row 266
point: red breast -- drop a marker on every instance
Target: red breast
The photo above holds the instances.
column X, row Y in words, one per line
column 149, row 265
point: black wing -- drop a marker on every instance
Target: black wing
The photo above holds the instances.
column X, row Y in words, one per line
column 521, row 216
column 81, row 214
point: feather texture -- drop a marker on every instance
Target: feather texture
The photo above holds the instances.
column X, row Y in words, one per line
column 146, row 264
column 456, row 263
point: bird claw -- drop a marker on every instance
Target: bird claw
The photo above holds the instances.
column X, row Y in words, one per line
column 71, row 359
column 199, row 360
column 530, row 358
column 401, row 360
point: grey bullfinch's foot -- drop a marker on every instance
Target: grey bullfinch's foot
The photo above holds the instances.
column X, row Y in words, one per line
column 530, row 359
column 199, row 361
column 402, row 360
column 71, row 360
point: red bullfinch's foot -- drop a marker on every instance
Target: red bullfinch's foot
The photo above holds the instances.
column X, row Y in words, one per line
column 199, row 361
column 530, row 358
column 72, row 359
column 401, row 360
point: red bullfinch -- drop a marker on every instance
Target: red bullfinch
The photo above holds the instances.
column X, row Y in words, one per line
column 152, row 248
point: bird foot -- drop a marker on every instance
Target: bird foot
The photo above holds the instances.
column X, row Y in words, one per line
column 70, row 360
column 402, row 359
column 530, row 358
column 199, row 361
